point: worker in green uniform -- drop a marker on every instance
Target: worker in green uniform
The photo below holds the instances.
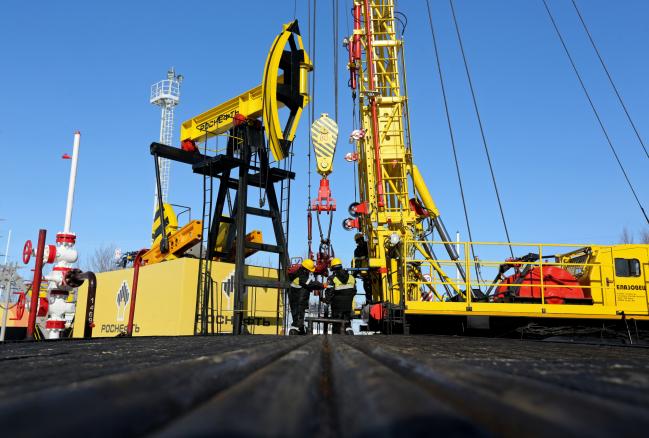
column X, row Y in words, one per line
column 340, row 293
column 302, row 283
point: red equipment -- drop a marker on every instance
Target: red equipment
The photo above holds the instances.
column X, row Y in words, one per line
column 558, row 284
column 324, row 202
column 27, row 251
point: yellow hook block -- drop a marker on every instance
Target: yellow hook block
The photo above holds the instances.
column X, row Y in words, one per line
column 324, row 134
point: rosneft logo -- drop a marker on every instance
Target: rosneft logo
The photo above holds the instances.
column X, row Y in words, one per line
column 118, row 328
column 631, row 287
column 216, row 121
column 122, row 298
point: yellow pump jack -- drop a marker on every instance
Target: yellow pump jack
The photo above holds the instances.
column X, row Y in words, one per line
column 265, row 100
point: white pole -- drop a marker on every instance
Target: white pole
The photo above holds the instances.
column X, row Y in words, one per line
column 7, row 248
column 73, row 178
column 7, row 290
column 457, row 249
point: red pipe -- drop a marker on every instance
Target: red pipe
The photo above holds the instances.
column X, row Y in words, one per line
column 352, row 68
column 356, row 39
column 36, row 284
column 375, row 119
column 136, row 274
column 355, row 47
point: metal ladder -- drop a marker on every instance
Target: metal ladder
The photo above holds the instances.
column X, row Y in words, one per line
column 204, row 306
column 285, row 205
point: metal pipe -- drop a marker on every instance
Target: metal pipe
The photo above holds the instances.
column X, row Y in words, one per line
column 36, row 284
column 457, row 249
column 75, row 278
column 356, row 38
column 136, row 276
column 450, row 248
column 7, row 291
column 73, row 179
column 433, row 211
column 90, row 303
column 164, row 244
column 7, row 247
column 309, row 222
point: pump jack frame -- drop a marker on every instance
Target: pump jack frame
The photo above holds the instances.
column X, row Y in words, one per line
column 246, row 140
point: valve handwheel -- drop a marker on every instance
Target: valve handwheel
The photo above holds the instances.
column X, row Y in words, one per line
column 27, row 251
column 20, row 306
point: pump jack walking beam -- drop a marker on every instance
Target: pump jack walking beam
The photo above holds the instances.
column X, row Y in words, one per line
column 276, row 91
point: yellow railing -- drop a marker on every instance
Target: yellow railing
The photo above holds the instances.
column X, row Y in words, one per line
column 434, row 275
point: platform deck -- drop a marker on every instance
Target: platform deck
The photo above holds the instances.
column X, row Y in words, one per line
column 323, row 386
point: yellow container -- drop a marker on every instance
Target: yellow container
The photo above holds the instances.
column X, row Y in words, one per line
column 166, row 301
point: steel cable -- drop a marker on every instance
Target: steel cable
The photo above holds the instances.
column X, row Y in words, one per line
column 610, row 79
column 450, row 130
column 334, row 4
column 595, row 112
column 482, row 133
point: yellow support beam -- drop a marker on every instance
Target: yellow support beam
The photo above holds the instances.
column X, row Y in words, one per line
column 179, row 242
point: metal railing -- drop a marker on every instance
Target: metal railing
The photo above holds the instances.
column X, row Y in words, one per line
column 432, row 280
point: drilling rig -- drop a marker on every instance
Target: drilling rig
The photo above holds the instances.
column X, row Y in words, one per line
column 397, row 216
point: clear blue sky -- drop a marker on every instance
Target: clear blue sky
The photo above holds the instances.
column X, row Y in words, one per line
column 83, row 65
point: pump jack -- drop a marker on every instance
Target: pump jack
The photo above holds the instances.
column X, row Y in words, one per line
column 224, row 235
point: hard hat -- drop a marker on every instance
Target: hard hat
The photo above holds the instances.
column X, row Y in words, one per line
column 358, row 236
column 336, row 263
column 308, row 264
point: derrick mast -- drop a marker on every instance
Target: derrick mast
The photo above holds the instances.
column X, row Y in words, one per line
column 384, row 155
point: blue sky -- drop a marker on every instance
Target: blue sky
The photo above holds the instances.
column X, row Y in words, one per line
column 88, row 65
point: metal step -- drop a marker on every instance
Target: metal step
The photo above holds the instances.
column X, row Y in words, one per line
column 259, row 212
column 264, row 247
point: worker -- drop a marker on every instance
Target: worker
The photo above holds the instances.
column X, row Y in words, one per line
column 362, row 261
column 302, row 283
column 340, row 293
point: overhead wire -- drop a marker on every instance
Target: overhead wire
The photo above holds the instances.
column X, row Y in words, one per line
column 450, row 130
column 334, row 12
column 595, row 112
column 610, row 78
column 482, row 133
column 351, row 12
column 311, row 112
